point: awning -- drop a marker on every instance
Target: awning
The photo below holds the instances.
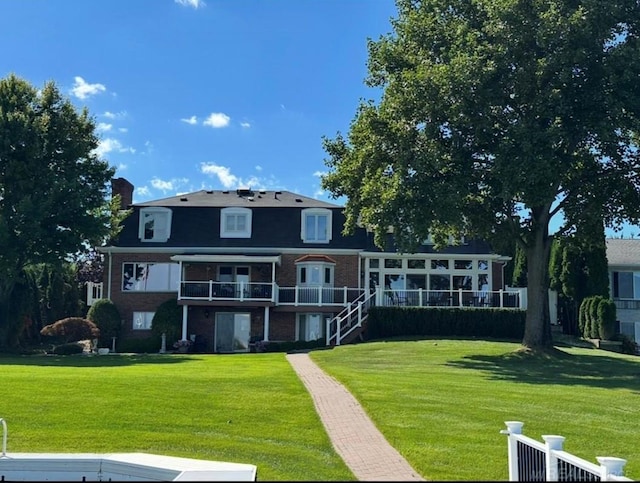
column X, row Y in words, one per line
column 203, row 258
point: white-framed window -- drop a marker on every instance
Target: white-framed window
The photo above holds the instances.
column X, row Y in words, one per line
column 626, row 285
column 235, row 223
column 142, row 320
column 315, row 274
column 310, row 326
column 150, row 277
column 316, row 225
column 155, row 224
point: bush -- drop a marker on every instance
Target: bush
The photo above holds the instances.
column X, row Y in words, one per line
column 149, row 345
column 287, row 346
column 71, row 329
column 106, row 316
column 168, row 320
column 68, row 349
column 495, row 323
column 607, row 319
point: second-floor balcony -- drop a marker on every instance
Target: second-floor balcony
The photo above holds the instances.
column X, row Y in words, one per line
column 269, row 292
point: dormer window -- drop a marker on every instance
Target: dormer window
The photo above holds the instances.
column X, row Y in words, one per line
column 235, row 223
column 155, row 224
column 316, row 225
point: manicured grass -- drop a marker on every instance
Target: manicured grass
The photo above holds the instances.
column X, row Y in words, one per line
column 442, row 403
column 242, row 408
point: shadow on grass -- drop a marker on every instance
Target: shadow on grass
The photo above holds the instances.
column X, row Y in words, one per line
column 555, row 366
column 112, row 360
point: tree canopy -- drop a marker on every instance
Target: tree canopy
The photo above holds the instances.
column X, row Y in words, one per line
column 495, row 117
column 53, row 185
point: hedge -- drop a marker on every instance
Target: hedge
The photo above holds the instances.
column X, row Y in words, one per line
column 433, row 321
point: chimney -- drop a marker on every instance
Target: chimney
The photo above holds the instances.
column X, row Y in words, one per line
column 122, row 187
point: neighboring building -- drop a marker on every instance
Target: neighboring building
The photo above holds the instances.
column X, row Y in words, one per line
column 274, row 265
column 623, row 258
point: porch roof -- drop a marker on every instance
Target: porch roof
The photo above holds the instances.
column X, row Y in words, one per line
column 228, row 258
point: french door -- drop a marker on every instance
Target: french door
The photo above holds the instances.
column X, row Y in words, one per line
column 232, row 332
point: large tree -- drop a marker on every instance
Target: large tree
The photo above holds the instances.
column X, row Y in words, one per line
column 496, row 116
column 53, row 187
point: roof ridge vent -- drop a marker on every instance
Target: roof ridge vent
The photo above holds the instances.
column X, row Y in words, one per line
column 244, row 191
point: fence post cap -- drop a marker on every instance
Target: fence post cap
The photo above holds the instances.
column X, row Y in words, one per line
column 613, row 465
column 553, row 441
column 514, row 427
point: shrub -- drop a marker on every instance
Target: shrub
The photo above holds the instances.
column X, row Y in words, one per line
column 106, row 316
column 495, row 323
column 586, row 325
column 148, row 345
column 68, row 349
column 168, row 320
column 607, row 319
column 582, row 317
column 71, row 329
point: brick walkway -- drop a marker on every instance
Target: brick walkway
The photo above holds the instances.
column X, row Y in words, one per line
column 354, row 436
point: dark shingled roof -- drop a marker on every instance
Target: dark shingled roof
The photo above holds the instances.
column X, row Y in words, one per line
column 623, row 252
column 235, row 198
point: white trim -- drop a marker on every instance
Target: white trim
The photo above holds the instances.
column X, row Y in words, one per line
column 227, row 258
column 315, row 212
column 228, row 250
column 224, row 212
column 163, row 233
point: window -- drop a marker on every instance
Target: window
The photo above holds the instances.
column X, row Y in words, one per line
column 235, row 223
column 417, row 264
column 316, row 225
column 462, row 264
column 626, row 285
column 315, row 274
column 155, row 224
column 142, row 320
column 392, row 263
column 439, row 264
column 150, row 277
column 310, row 326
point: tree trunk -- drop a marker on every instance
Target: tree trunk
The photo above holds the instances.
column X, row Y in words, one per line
column 537, row 331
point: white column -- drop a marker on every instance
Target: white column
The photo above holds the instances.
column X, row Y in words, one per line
column 266, row 323
column 553, row 443
column 185, row 309
column 513, row 427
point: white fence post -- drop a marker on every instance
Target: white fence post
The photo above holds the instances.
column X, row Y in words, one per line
column 513, row 427
column 611, row 466
column 552, row 443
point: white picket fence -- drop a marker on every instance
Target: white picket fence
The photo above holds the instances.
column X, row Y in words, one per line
column 531, row 460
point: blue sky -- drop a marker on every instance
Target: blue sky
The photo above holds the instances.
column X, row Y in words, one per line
column 190, row 94
column 214, row 94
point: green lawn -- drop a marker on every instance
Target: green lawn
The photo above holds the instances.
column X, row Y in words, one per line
column 442, row 403
column 242, row 408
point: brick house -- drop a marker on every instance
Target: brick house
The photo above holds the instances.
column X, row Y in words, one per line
column 274, row 265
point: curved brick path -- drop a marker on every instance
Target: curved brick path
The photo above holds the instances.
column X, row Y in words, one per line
column 354, row 436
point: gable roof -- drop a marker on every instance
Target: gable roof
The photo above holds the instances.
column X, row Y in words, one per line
column 240, row 198
column 623, row 251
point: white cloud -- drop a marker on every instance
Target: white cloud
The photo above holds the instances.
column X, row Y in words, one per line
column 258, row 168
column 122, row 167
column 82, row 89
column 190, row 120
column 143, row 191
column 115, row 115
column 103, row 126
column 191, row 3
column 223, row 174
column 230, row 181
column 245, row 124
column 168, row 185
column 123, row 129
column 319, row 174
column 109, row 144
column 217, row 120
